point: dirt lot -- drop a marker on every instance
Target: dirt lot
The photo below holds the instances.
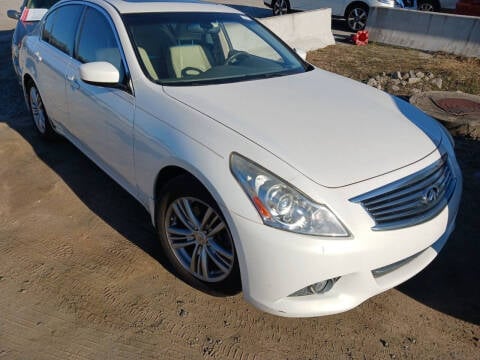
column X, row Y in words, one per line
column 82, row 276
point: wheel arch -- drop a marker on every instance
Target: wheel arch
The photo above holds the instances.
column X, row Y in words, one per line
column 27, row 81
column 175, row 169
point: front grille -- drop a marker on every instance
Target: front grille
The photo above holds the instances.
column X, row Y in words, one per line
column 412, row 200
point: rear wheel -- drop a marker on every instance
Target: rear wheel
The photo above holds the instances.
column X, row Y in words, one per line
column 357, row 15
column 39, row 114
column 281, row 7
column 428, row 5
column 195, row 237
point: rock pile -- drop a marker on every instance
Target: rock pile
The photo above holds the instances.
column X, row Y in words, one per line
column 411, row 82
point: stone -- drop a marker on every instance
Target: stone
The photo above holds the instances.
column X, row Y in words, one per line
column 395, row 88
column 430, row 75
column 411, row 73
column 379, row 87
column 395, row 81
column 397, row 75
column 420, row 75
column 416, row 91
column 414, row 80
column 404, row 83
column 406, row 76
column 372, row 82
column 437, row 82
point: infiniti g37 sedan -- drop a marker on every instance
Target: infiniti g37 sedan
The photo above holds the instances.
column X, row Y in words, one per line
column 308, row 191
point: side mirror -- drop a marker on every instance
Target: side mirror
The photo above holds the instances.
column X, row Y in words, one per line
column 99, row 73
column 13, row 14
column 301, row 53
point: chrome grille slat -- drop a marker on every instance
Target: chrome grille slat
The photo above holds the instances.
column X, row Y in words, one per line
column 411, row 203
column 412, row 200
column 405, row 191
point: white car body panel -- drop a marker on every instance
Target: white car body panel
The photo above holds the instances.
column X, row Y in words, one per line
column 363, row 139
column 362, row 152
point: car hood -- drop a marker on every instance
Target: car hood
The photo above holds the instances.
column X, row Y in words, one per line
column 334, row 130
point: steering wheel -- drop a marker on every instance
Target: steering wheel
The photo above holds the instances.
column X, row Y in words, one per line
column 236, row 57
column 191, row 71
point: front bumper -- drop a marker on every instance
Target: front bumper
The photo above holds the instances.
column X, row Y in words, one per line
column 276, row 263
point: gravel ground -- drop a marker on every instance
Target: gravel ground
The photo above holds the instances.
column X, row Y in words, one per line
column 82, row 275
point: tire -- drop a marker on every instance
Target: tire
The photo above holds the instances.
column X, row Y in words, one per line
column 39, row 114
column 280, row 7
column 427, row 5
column 195, row 237
column 356, row 16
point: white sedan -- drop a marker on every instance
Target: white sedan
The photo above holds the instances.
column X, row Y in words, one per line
column 308, row 191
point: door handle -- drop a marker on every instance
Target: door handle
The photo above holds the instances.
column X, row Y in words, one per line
column 38, row 56
column 73, row 81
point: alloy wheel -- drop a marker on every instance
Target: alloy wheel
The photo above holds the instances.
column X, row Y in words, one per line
column 199, row 239
column 426, row 6
column 38, row 110
column 357, row 18
column 280, row 7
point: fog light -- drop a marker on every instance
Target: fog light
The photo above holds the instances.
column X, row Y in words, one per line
column 315, row 289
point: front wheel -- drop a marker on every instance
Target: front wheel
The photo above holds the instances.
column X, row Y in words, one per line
column 357, row 17
column 281, row 7
column 195, row 237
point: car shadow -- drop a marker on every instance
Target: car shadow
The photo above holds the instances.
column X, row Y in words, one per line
column 97, row 191
column 449, row 284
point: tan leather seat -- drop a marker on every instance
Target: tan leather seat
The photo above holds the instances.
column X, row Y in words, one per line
column 188, row 56
column 148, row 64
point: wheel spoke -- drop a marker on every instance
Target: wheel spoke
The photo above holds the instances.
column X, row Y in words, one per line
column 178, row 244
column 220, row 250
column 181, row 216
column 216, row 229
column 182, row 232
column 204, row 263
column 190, row 215
column 206, row 216
column 194, row 259
column 217, row 260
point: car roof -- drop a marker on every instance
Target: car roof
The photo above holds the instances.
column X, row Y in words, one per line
column 146, row 6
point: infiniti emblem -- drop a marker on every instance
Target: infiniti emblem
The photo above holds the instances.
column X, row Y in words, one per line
column 430, row 195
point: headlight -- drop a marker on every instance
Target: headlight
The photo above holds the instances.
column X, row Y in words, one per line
column 280, row 205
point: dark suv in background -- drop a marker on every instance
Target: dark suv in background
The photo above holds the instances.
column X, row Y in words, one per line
column 30, row 13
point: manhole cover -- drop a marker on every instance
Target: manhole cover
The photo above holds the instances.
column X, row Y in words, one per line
column 459, row 112
column 458, row 107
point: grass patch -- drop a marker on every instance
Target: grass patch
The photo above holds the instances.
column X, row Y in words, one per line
column 364, row 62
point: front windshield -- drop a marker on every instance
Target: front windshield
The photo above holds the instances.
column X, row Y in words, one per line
column 202, row 48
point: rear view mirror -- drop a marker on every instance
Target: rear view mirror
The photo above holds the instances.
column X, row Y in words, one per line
column 99, row 73
column 13, row 14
